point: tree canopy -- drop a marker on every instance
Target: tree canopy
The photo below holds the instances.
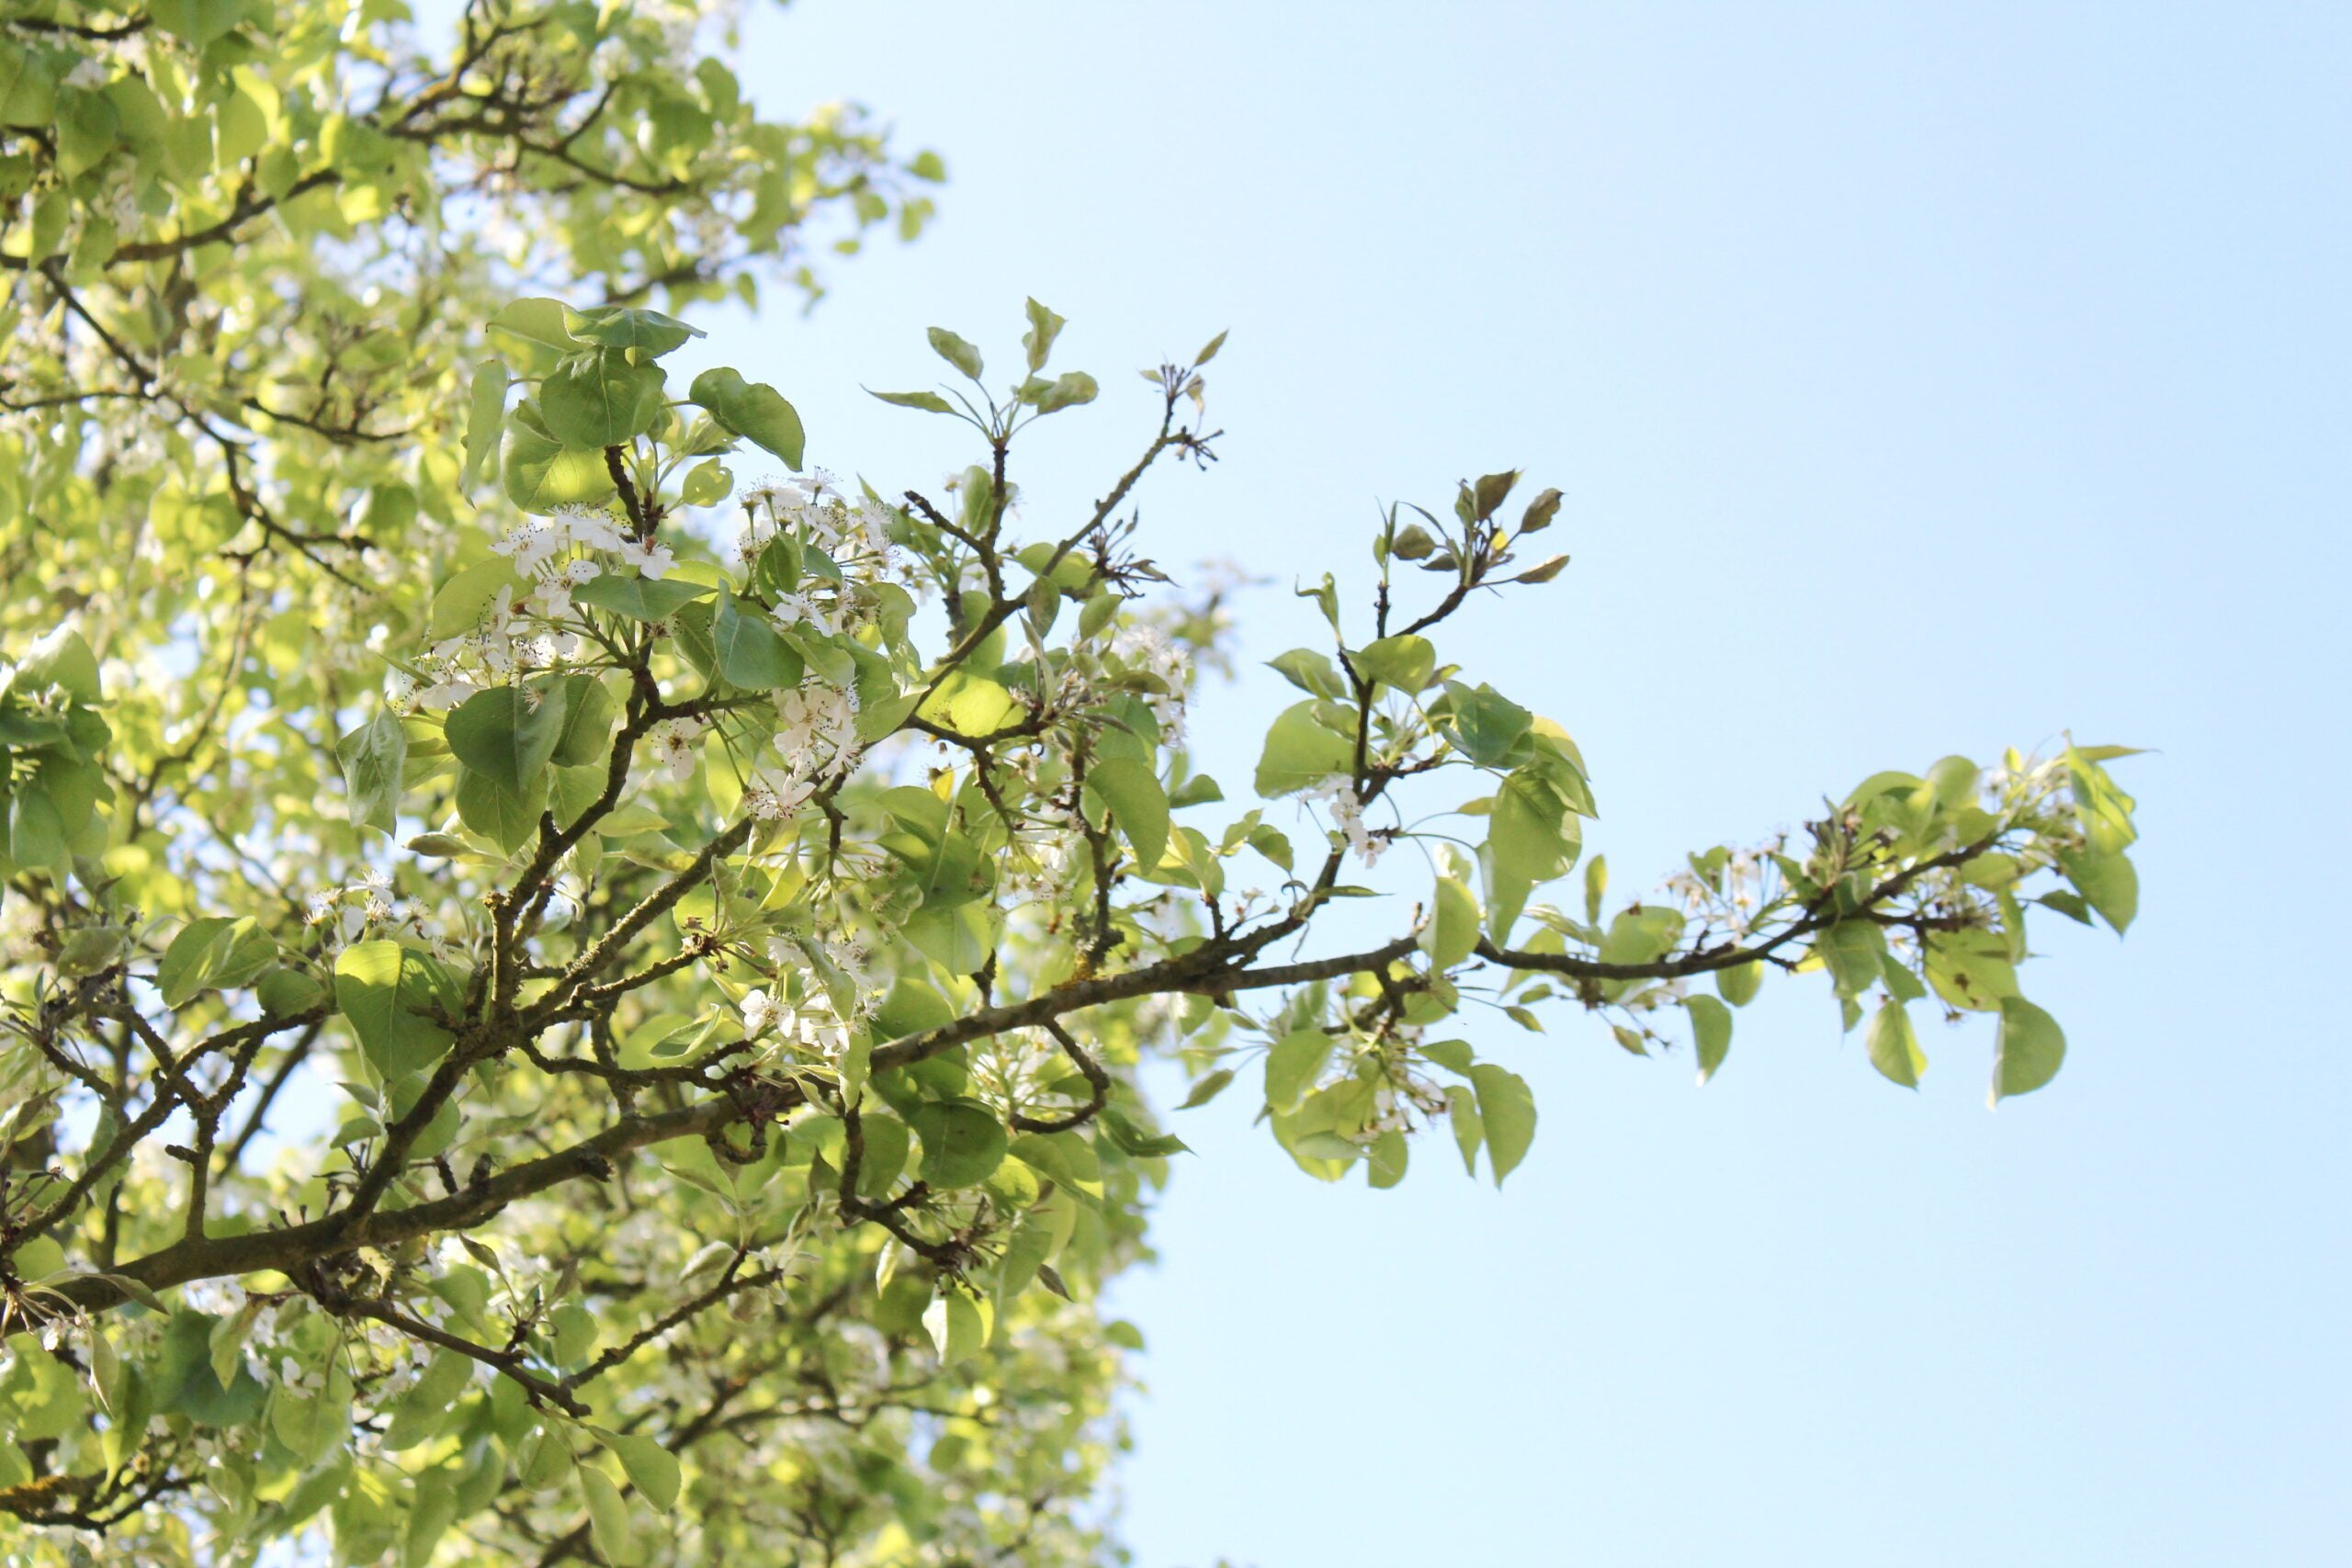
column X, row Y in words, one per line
column 574, row 985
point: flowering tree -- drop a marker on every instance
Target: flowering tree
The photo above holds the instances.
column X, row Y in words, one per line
column 562, row 1004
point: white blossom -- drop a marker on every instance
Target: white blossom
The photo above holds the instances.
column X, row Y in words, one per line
column 759, row 1011
column 676, row 744
column 651, row 560
column 530, row 542
column 1346, row 806
column 775, row 792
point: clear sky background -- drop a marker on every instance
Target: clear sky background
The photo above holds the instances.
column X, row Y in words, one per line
column 1922, row 378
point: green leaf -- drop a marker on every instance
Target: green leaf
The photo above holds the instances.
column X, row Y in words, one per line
column 1026, row 1251
column 640, row 598
column 1489, row 492
column 196, row 22
column 930, row 402
column 312, row 1426
column 706, row 484
column 963, row 1142
column 959, row 936
column 87, row 950
column 1453, row 923
column 1894, row 1048
column 1042, row 604
column 1310, row 672
column 541, row 473
column 1462, row 1110
column 285, row 991
column 424, row 1411
column 36, row 833
column 969, row 704
column 1710, row 1029
column 485, row 418
column 1138, row 804
column 1207, row 1089
column 957, row 351
column 959, row 1326
column 1133, row 1140
column 1970, row 969
column 1067, row 391
column 63, row 660
column 755, row 412
column 544, row 1460
column 508, row 733
column 1738, row 983
column 1039, row 341
column 1301, row 753
column 2104, row 810
column 1065, row 1156
column 1484, row 723
column 29, row 88
column 1531, row 827
column 459, row 604
column 490, row 808
column 531, row 332
column 1412, row 542
column 384, row 989
column 599, row 399
column 572, row 1333
column 1852, row 951
column 432, row 1510
column 373, row 757
column 2030, row 1049
column 652, row 1469
column 1402, row 662
column 1901, row 983
column 1507, row 1112
column 187, row 1385
column 2107, row 881
column 213, row 953
column 2071, row 904
column 1293, row 1065
column 608, row 1522
column 629, row 327
column 226, row 1344
column 751, row 653
column 910, row 1008
column 588, row 714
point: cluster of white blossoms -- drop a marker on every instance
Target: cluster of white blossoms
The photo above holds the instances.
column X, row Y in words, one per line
column 1041, row 867
column 1339, row 795
column 801, row 1011
column 555, row 555
column 815, row 512
column 363, row 907
column 1400, row 1098
column 816, row 743
column 1141, row 647
column 1743, row 884
column 1404, row 1103
column 1024, row 1068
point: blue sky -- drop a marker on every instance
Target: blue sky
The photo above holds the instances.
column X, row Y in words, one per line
column 1921, row 379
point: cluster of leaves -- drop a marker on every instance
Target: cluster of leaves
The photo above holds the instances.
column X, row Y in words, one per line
column 807, row 943
column 609, row 1030
column 52, row 738
column 258, row 239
